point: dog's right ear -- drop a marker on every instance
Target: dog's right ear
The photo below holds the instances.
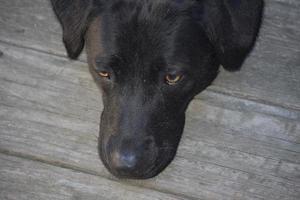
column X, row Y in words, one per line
column 73, row 16
column 232, row 27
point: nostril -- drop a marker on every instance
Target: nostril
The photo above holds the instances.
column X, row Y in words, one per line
column 128, row 160
column 124, row 160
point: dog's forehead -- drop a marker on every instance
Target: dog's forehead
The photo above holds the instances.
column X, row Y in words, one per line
column 115, row 4
column 143, row 29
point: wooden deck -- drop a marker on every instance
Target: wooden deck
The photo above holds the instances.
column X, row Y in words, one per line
column 241, row 139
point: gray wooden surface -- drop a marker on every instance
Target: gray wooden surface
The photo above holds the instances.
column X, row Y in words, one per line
column 241, row 139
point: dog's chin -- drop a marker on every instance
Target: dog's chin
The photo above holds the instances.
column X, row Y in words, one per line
column 141, row 172
column 136, row 176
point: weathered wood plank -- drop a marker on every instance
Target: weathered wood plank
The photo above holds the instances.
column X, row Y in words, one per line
column 51, row 111
column 276, row 56
column 25, row 179
column 32, row 24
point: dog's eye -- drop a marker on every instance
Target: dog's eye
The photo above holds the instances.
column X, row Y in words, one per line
column 104, row 74
column 172, row 79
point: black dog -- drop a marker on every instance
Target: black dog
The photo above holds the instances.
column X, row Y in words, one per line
column 151, row 57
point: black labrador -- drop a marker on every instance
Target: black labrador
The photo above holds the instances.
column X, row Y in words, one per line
column 150, row 58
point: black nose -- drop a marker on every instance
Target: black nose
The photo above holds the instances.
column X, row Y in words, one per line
column 124, row 161
column 130, row 158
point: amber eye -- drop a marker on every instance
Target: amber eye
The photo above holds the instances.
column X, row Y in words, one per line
column 104, row 74
column 172, row 79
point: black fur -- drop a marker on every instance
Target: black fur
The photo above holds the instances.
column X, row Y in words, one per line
column 139, row 42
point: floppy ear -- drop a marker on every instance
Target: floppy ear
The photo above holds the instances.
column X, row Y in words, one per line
column 73, row 16
column 232, row 27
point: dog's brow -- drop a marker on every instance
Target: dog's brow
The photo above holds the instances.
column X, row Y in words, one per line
column 101, row 60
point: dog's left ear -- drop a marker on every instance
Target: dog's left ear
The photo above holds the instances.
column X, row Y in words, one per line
column 232, row 27
column 73, row 16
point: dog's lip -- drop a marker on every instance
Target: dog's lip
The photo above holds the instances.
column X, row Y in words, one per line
column 103, row 155
column 156, row 169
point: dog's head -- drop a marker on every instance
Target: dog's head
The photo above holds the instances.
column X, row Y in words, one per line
column 151, row 57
